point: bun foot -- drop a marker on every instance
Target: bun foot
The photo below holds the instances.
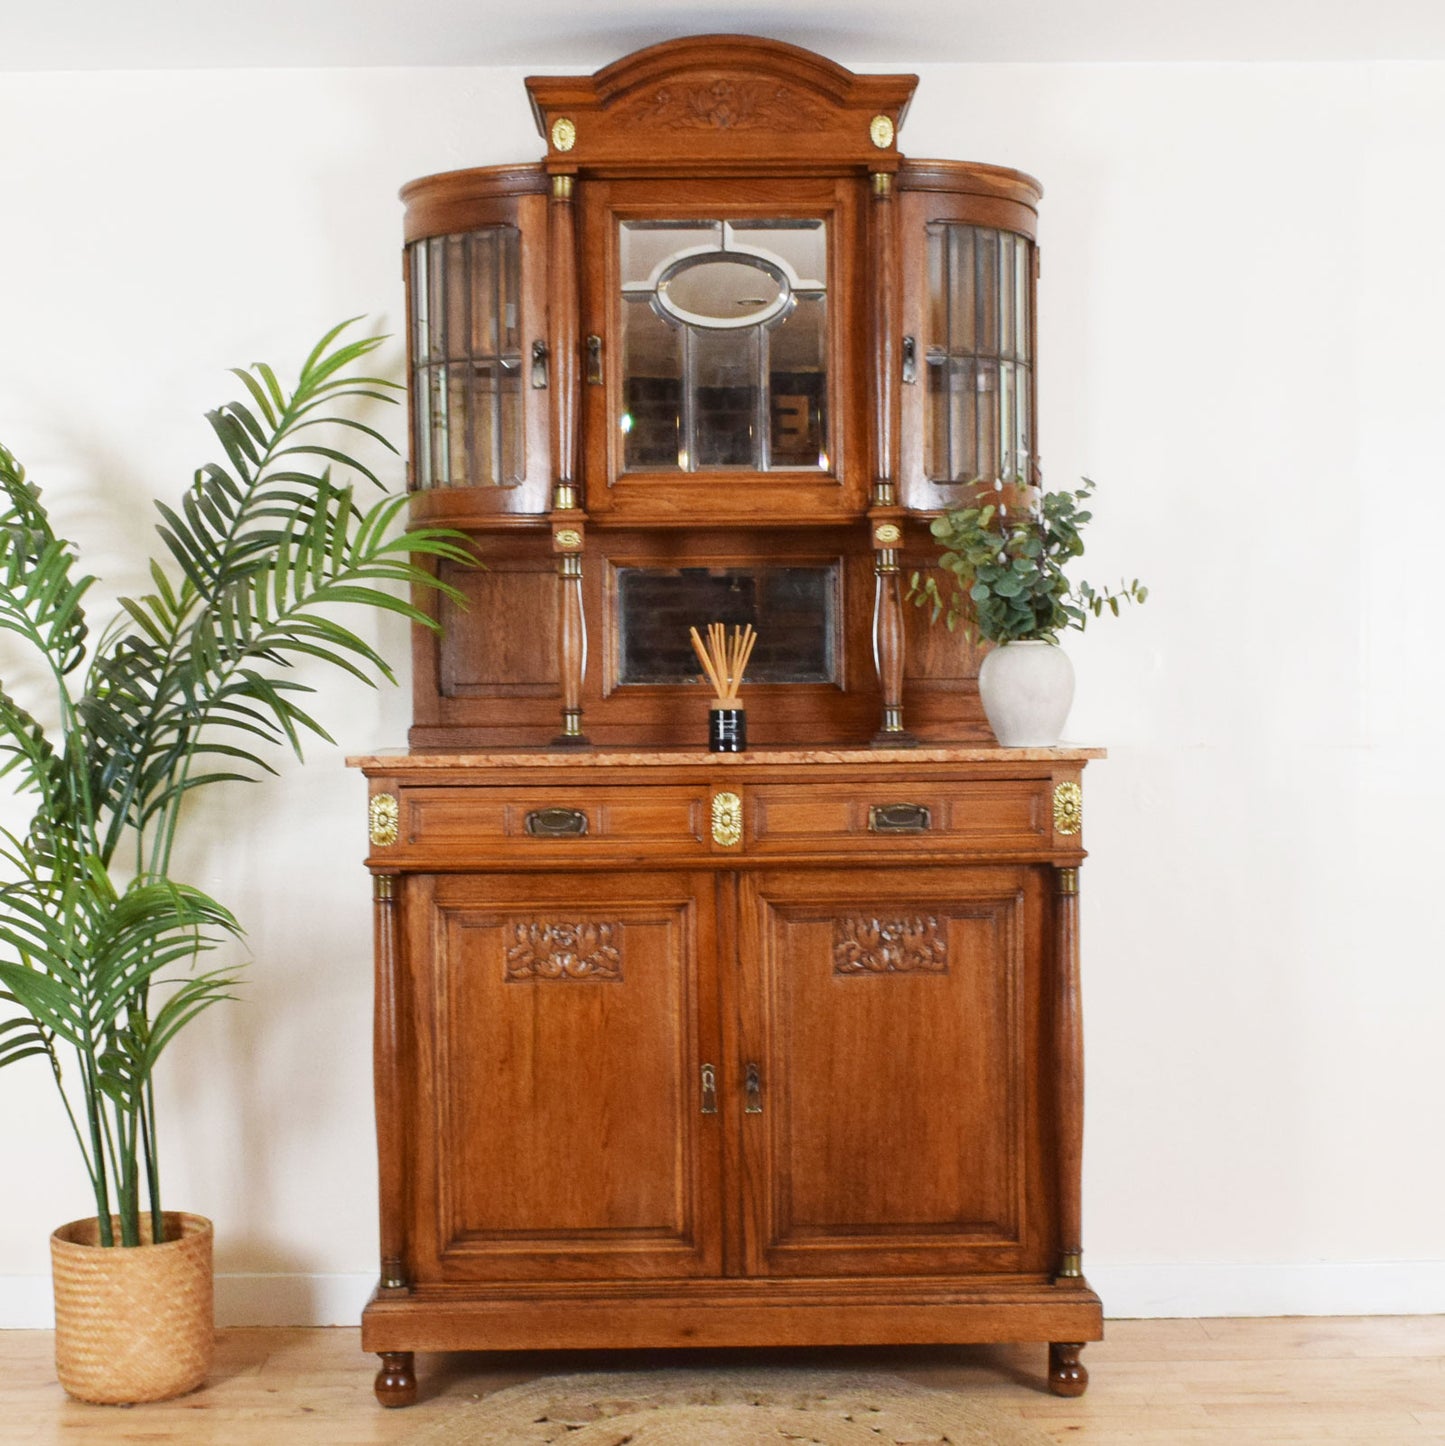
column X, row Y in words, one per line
column 1068, row 1376
column 396, row 1380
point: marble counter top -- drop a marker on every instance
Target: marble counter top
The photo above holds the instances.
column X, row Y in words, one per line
column 610, row 757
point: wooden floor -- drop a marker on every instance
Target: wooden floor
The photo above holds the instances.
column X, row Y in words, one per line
column 1368, row 1382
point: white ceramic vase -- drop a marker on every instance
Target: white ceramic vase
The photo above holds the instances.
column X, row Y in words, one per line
column 1027, row 688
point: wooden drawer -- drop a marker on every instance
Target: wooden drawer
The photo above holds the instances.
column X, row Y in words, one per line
column 541, row 820
column 907, row 817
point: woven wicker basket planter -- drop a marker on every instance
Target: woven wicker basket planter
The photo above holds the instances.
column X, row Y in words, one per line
column 133, row 1323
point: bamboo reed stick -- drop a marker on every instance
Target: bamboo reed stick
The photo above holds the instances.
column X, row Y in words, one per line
column 724, row 659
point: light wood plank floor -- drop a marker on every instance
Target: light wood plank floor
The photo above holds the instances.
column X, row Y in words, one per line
column 1372, row 1381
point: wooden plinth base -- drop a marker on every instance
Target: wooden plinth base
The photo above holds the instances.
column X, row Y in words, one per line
column 721, row 1315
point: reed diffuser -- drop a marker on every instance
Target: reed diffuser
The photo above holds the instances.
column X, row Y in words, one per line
column 724, row 660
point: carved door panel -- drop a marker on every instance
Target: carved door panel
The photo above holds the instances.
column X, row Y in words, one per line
column 892, row 1017
column 561, row 1025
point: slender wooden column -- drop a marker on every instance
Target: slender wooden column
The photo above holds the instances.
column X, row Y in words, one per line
column 571, row 626
column 1069, row 1074
column 388, row 1081
column 888, row 632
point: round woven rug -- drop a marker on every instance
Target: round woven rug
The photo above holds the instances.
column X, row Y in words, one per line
column 769, row 1406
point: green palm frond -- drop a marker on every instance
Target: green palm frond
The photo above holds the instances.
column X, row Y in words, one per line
column 40, row 598
column 195, row 682
column 266, row 551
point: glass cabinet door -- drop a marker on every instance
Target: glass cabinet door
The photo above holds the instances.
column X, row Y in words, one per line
column 720, row 381
column 968, row 364
column 479, row 364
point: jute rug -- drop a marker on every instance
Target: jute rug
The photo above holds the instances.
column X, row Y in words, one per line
column 768, row 1406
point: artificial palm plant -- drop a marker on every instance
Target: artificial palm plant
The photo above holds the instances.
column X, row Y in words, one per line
column 189, row 685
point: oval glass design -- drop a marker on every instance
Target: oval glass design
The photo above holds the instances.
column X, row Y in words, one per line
column 723, row 289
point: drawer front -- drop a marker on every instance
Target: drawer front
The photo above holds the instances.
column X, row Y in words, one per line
column 908, row 817
column 548, row 822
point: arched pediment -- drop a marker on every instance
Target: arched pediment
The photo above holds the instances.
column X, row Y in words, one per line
column 721, row 99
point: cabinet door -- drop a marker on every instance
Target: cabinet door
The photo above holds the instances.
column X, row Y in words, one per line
column 894, row 1020
column 561, row 1023
column 968, row 318
column 723, row 350
column 476, row 267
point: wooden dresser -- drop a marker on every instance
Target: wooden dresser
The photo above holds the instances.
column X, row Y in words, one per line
column 677, row 1047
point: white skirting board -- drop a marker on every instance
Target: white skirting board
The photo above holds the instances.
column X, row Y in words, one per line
column 1129, row 1291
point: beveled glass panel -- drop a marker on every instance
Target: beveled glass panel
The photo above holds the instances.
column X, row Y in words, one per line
column 793, row 609
column 486, row 280
column 722, row 290
column 1023, row 341
column 802, row 246
column 435, row 320
column 651, row 420
column 458, row 392
column 961, row 292
column 724, row 372
column 511, row 462
column 986, row 455
column 797, row 386
column 986, row 297
column 646, row 246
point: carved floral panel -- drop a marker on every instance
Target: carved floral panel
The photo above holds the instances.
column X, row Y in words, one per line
column 908, row 944
column 588, row 949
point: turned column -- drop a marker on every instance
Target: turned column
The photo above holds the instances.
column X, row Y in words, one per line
column 567, row 538
column 1067, row 1374
column 1069, row 1074
column 387, row 1054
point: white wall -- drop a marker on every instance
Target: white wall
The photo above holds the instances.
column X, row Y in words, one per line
column 1239, row 336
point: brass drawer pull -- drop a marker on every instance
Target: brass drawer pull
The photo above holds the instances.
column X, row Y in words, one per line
column 899, row 818
column 709, row 1090
column 556, row 823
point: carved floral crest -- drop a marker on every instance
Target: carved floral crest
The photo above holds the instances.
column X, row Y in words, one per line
column 724, row 104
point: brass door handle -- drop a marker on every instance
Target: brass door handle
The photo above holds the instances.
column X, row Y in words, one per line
column 753, row 1085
